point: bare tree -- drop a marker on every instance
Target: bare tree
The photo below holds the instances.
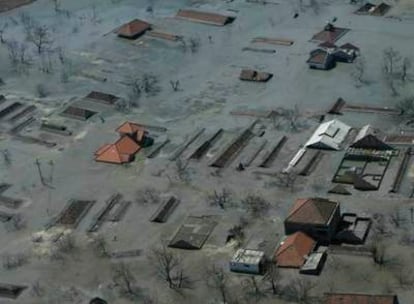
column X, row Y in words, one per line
column 183, row 173
column 253, row 288
column 175, row 85
column 148, row 196
column 169, row 267
column 41, row 38
column 406, row 106
column 302, row 289
column 272, row 277
column 256, row 205
column 391, row 59
column 379, row 252
column 3, row 28
column 217, row 279
column 124, row 280
column 237, row 232
column 406, row 65
column 287, row 179
column 194, row 43
column 6, row 157
column 13, row 261
column 37, row 289
column 16, row 223
column 359, row 71
column 100, row 246
column 221, row 198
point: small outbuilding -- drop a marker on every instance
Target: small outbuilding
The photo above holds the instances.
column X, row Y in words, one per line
column 78, row 113
column 248, row 261
column 204, row 17
column 133, row 29
column 321, row 60
column 329, row 135
column 314, row 263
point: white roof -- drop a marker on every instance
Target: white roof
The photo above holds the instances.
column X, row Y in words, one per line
column 248, row 256
column 329, row 135
column 365, row 130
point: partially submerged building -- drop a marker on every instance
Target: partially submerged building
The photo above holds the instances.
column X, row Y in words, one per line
column 355, row 298
column 294, row 249
column 321, row 60
column 314, row 263
column 133, row 138
column 248, row 261
column 317, row 217
column 78, row 113
column 204, row 17
column 329, row 135
column 133, row 29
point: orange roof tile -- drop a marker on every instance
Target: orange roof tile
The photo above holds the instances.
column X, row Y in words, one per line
column 102, row 149
column 132, row 128
column 126, row 145
column 347, row 298
column 110, row 155
column 133, row 28
column 312, row 211
column 293, row 250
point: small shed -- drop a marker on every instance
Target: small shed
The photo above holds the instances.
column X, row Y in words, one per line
column 314, row 263
column 248, row 261
column 78, row 113
column 321, row 60
column 133, row 29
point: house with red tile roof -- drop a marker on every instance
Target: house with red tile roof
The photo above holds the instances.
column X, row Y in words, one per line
column 133, row 137
column 354, row 298
column 317, row 217
column 294, row 249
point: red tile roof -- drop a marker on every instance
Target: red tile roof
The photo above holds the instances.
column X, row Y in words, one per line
column 312, row 211
column 132, row 129
column 120, row 152
column 347, row 298
column 134, row 28
column 293, row 250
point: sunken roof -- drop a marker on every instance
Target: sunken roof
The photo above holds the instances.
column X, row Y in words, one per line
column 79, row 113
column 317, row 211
column 204, row 17
column 350, row 298
column 371, row 142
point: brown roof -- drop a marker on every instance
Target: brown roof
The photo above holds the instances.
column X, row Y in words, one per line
column 349, row 46
column 318, row 57
column 102, row 97
column 316, row 211
column 79, row 113
column 348, row 298
column 327, row 44
column 120, row 152
column 293, row 250
column 132, row 129
column 133, row 29
column 204, row 17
